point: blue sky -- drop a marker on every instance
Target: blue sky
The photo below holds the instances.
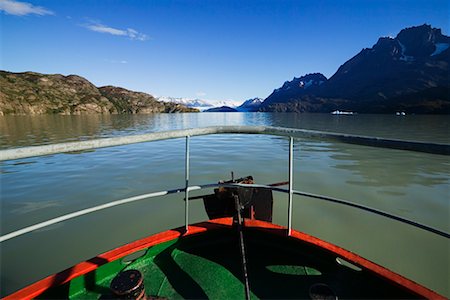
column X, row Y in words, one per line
column 217, row 50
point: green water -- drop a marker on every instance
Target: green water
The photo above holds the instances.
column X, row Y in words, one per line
column 408, row 184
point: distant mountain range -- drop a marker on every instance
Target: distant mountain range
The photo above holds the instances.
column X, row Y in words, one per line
column 200, row 104
column 250, row 105
column 31, row 93
column 407, row 73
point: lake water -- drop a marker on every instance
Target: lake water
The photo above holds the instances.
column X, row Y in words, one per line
column 409, row 184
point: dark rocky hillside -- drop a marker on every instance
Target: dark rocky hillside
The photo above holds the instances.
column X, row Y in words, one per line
column 33, row 93
column 222, row 109
column 130, row 102
column 292, row 90
column 407, row 73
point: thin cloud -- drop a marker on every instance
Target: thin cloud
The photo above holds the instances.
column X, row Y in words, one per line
column 129, row 32
column 113, row 61
column 16, row 8
column 200, row 94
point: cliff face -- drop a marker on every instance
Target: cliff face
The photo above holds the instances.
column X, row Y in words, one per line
column 126, row 101
column 407, row 73
column 297, row 87
column 32, row 93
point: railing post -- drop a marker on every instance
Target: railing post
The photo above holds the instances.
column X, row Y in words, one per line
column 186, row 191
column 291, row 166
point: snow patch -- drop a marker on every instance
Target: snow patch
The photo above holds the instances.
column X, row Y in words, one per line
column 254, row 101
column 307, row 84
column 403, row 56
column 440, row 47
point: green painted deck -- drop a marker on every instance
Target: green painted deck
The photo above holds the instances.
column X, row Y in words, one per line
column 208, row 266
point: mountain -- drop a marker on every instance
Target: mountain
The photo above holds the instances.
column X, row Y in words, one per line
column 250, row 105
column 31, row 93
column 407, row 73
column 198, row 103
column 229, row 103
column 222, row 109
column 192, row 103
column 130, row 102
column 295, row 88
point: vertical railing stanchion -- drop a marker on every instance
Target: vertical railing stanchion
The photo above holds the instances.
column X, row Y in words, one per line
column 291, row 165
column 186, row 191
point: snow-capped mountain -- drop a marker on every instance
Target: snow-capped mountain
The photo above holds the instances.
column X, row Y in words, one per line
column 200, row 104
column 294, row 88
column 250, row 105
column 409, row 72
column 229, row 103
column 194, row 103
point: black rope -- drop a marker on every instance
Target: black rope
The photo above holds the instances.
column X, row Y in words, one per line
column 242, row 246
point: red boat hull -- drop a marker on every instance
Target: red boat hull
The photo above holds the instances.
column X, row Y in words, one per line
column 80, row 269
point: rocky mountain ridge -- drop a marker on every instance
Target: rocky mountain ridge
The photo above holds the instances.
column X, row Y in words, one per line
column 250, row 105
column 294, row 88
column 407, row 73
column 31, row 93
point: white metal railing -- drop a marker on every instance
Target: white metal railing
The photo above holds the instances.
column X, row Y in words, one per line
column 187, row 133
column 17, row 153
column 291, row 181
column 186, row 187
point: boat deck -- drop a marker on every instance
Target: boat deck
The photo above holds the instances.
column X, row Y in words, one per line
column 208, row 265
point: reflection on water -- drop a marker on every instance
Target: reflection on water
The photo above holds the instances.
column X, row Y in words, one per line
column 409, row 184
column 375, row 168
column 45, row 129
column 415, row 127
column 415, row 185
column 27, row 207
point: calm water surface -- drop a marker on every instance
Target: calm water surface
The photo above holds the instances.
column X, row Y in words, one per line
column 409, row 184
